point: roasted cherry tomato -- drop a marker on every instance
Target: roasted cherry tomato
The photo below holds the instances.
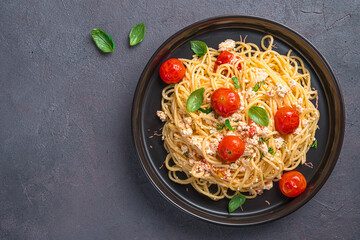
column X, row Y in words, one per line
column 292, row 184
column 225, row 57
column 172, row 71
column 286, row 120
column 231, row 148
column 225, row 101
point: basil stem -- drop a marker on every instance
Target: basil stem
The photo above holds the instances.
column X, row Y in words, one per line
column 137, row 34
column 102, row 40
column 207, row 111
column 259, row 115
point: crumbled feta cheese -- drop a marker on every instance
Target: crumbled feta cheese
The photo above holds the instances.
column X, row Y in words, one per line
column 186, row 132
column 279, row 141
column 227, row 45
column 259, row 192
column 282, row 90
column 263, row 148
column 211, row 146
column 292, row 83
column 249, row 93
column 304, row 122
column 298, row 105
column 196, row 141
column 187, row 120
column 234, row 166
column 264, row 132
column 184, row 149
column 192, row 162
column 268, row 185
column 161, row 115
column 253, row 140
column 297, row 131
column 261, row 74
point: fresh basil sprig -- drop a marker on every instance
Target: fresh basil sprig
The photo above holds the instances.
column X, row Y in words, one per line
column 271, row 151
column 137, row 34
column 207, row 111
column 195, row 100
column 102, row 40
column 198, row 47
column 228, row 125
column 259, row 115
column 258, row 86
column 236, row 82
column 236, row 202
column 314, row 144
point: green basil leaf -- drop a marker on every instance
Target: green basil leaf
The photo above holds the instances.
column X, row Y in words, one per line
column 198, row 47
column 236, row 82
column 102, row 40
column 236, row 202
column 259, row 115
column 137, row 34
column 207, row 111
column 195, row 100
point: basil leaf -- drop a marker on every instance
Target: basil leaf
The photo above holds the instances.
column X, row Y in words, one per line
column 198, row 47
column 228, row 125
column 236, row 82
column 102, row 40
column 207, row 111
column 259, row 115
column 137, row 34
column 195, row 100
column 236, row 202
column 314, row 144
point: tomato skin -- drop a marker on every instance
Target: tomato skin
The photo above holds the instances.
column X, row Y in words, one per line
column 225, row 57
column 292, row 184
column 231, row 148
column 172, row 71
column 286, row 120
column 225, row 101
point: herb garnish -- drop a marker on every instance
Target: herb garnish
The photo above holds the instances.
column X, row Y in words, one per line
column 219, row 126
column 258, row 85
column 236, row 202
column 314, row 144
column 102, row 40
column 261, row 155
column 261, row 140
column 195, row 100
column 259, row 115
column 271, row 151
column 198, row 47
column 236, row 82
column 186, row 154
column 207, row 111
column 137, row 34
column 228, row 125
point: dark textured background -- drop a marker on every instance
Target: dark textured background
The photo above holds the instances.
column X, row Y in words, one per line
column 68, row 166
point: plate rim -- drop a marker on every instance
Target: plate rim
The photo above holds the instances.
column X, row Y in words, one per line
column 141, row 150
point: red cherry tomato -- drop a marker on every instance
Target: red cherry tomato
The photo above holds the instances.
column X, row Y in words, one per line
column 225, row 101
column 286, row 120
column 231, row 148
column 172, row 71
column 225, row 57
column 292, row 184
column 252, row 130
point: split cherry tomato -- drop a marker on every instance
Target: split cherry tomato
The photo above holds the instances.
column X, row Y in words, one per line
column 252, row 128
column 292, row 184
column 286, row 120
column 231, row 148
column 172, row 71
column 225, row 101
column 225, row 57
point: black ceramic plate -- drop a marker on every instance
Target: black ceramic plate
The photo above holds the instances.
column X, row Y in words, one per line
column 152, row 154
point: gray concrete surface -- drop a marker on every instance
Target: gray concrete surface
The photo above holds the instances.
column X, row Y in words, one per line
column 68, row 168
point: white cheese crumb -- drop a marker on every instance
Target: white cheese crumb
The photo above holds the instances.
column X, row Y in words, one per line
column 279, row 141
column 184, row 149
column 282, row 90
column 253, row 141
column 227, row 45
column 186, row 132
column 161, row 115
column 264, row 132
column 304, row 122
column 297, row 131
column 298, row 105
column 187, row 120
column 261, row 74
column 268, row 185
column 196, row 141
column 249, row 93
column 292, row 83
column 263, row 147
